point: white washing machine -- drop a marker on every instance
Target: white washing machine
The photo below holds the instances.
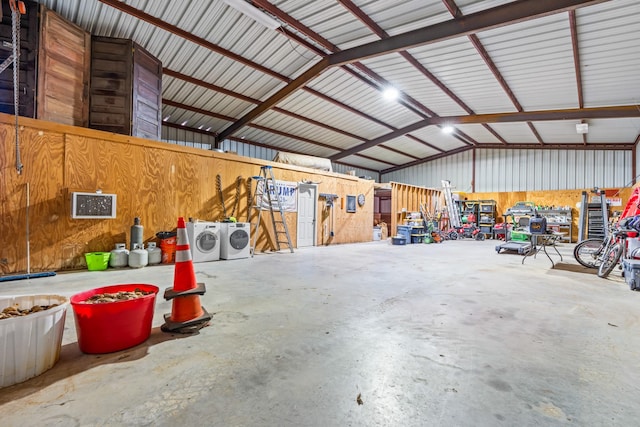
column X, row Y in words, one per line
column 235, row 240
column 204, row 240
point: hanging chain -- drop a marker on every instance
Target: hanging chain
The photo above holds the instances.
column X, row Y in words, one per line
column 15, row 33
column 249, row 199
column 236, row 201
column 219, row 189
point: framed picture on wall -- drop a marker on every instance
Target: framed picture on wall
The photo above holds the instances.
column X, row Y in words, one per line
column 351, row 204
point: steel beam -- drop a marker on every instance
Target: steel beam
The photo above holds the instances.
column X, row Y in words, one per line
column 546, row 115
column 274, row 99
column 575, row 147
column 499, row 16
column 130, row 10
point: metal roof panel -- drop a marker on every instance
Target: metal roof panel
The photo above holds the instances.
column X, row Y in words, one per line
column 536, row 60
column 609, row 52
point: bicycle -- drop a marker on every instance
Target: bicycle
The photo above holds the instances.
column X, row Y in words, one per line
column 594, row 252
column 615, row 251
column 588, row 252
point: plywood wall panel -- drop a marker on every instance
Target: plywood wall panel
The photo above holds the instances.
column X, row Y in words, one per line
column 45, row 199
column 156, row 181
column 570, row 198
column 409, row 198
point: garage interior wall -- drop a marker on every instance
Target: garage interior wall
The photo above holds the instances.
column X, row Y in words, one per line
column 502, row 170
column 187, row 138
column 155, row 181
column 202, row 140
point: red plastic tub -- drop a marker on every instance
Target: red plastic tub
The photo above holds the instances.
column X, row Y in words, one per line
column 113, row 326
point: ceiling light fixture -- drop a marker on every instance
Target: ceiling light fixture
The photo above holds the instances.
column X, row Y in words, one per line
column 253, row 13
column 447, row 129
column 582, row 128
column 184, row 123
column 390, row 94
column 166, row 118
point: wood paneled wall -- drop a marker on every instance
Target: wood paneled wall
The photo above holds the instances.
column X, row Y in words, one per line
column 409, row 198
column 571, row 198
column 153, row 180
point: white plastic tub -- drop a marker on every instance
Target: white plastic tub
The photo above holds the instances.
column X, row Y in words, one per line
column 30, row 345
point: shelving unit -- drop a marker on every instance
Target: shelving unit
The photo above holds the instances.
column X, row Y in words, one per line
column 484, row 212
column 487, row 217
column 468, row 207
column 559, row 220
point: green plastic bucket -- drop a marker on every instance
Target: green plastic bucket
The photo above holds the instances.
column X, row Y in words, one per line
column 97, row 261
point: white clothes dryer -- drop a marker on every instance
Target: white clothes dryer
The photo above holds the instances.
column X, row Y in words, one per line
column 235, row 240
column 204, row 241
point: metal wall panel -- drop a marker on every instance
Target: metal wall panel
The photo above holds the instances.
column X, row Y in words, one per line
column 503, row 170
column 340, row 168
column 453, row 168
column 248, row 150
column 187, row 138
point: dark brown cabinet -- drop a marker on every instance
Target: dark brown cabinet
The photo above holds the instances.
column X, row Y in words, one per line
column 29, row 36
column 126, row 88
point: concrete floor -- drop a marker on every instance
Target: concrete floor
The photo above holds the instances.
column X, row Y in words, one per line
column 428, row 335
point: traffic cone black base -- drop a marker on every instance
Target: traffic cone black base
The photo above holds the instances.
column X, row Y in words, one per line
column 189, row 327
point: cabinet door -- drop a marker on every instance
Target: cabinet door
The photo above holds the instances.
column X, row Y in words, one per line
column 63, row 71
column 147, row 95
column 110, row 94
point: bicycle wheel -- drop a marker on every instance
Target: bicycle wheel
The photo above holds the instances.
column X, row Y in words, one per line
column 588, row 252
column 453, row 235
column 610, row 260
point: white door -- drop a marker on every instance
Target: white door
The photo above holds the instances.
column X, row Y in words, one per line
column 307, row 200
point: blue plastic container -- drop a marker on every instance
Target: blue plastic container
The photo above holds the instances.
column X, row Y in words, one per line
column 405, row 231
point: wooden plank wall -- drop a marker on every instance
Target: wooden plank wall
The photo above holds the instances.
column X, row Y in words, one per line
column 570, row 198
column 409, row 198
column 153, row 180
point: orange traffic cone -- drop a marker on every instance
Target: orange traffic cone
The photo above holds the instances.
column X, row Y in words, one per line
column 187, row 315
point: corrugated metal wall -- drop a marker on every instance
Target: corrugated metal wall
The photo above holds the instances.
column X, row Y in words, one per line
column 521, row 170
column 456, row 168
column 199, row 140
column 340, row 168
column 187, row 138
column 248, row 150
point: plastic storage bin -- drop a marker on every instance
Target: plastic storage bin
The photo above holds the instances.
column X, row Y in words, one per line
column 377, row 233
column 398, row 240
column 632, row 273
column 32, row 342
column 405, row 231
column 113, row 326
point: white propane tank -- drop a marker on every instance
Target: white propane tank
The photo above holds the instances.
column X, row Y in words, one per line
column 155, row 254
column 138, row 257
column 119, row 256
